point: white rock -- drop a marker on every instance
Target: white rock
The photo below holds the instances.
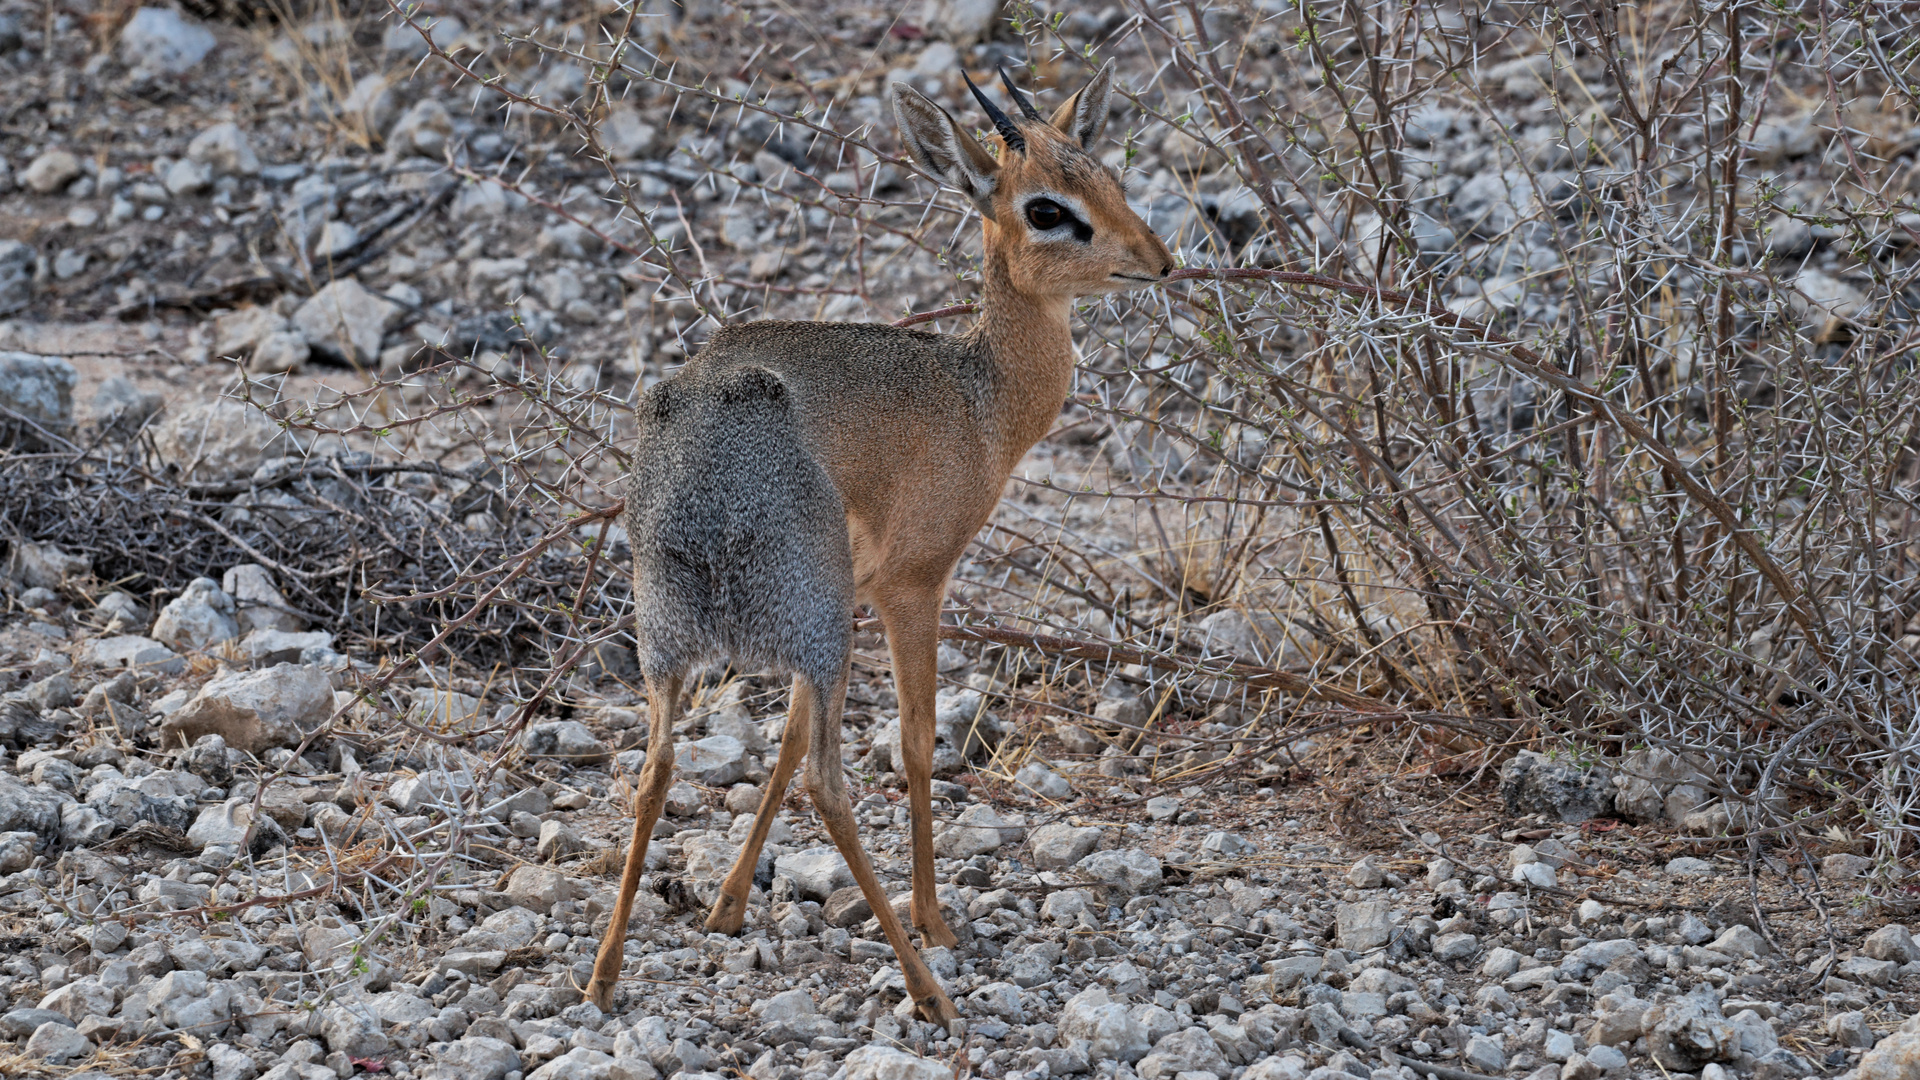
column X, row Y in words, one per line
column 37, row 387
column 716, row 761
column 1537, row 874
column 1190, row 1050
column 817, row 873
column 579, row 1063
column 876, row 1062
column 161, row 41
column 626, row 135
column 423, row 130
column 50, row 172
column 187, row 177
column 1485, row 1055
column 255, row 710
column 346, row 321
column 1500, row 963
column 1128, row 870
column 201, row 616
column 1110, row 1029
column 1688, row 866
column 1059, row 845
column 563, row 740
column 219, row 439
column 223, row 824
column 1044, row 782
column 1891, row 942
column 1364, row 926
column 57, row 1044
column 17, row 261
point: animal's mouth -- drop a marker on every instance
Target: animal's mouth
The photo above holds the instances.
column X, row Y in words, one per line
column 1141, row 278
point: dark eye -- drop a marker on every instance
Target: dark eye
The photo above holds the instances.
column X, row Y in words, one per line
column 1045, row 214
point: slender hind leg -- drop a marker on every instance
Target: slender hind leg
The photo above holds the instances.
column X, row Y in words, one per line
column 827, row 784
column 731, row 908
column 663, row 708
column 912, row 619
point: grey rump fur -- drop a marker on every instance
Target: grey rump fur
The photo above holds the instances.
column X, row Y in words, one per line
column 740, row 545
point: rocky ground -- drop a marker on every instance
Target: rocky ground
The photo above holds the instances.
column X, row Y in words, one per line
column 234, row 909
column 202, row 877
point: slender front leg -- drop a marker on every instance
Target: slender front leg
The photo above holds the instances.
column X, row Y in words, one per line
column 913, row 638
column 828, row 786
column 663, row 708
column 731, row 909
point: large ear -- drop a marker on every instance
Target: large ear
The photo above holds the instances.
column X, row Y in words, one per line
column 1084, row 115
column 937, row 143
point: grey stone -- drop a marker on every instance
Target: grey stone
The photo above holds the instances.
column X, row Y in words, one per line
column 537, row 888
column 22, row 1022
column 161, row 41
column 1042, row 781
column 579, row 1063
column 29, row 809
column 1227, row 845
column 257, row 600
column 1532, row 783
column 817, row 873
column 255, row 711
column 1655, row 785
column 1688, row 866
column 225, row 149
column 1484, row 1055
column 57, row 1045
column 1187, row 1051
column 1129, row 870
column 1455, row 946
column 17, row 260
column 1059, row 845
column 1896, row 1057
column 878, row 1062
column 1891, row 942
column 1607, row 1058
column 187, row 177
column 715, row 761
column 1850, row 1029
column 1500, row 963
column 345, row 321
column 1686, row 1033
column 1364, row 926
column 353, row 1030
column 51, row 171
column 1110, row 1029
column 1742, row 941
column 979, row 830
column 220, row 439
column 230, row 1064
column 1366, row 874
column 39, row 388
column 563, row 740
column 200, row 616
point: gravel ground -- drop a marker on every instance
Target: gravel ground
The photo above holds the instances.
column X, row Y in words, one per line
column 195, row 886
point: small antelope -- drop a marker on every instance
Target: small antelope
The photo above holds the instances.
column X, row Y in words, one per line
column 795, row 469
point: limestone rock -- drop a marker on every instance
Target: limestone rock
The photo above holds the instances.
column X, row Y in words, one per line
column 39, row 388
column 161, row 41
column 255, row 710
column 199, row 617
column 346, row 322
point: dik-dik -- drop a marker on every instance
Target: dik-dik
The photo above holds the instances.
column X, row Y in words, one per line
column 795, row 469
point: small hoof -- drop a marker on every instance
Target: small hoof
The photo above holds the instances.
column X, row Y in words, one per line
column 727, row 916
column 936, row 1009
column 601, row 995
column 937, row 935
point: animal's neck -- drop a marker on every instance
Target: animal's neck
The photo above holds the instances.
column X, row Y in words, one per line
column 1031, row 345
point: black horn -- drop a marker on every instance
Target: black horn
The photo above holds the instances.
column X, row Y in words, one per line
column 1026, row 106
column 1000, row 121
